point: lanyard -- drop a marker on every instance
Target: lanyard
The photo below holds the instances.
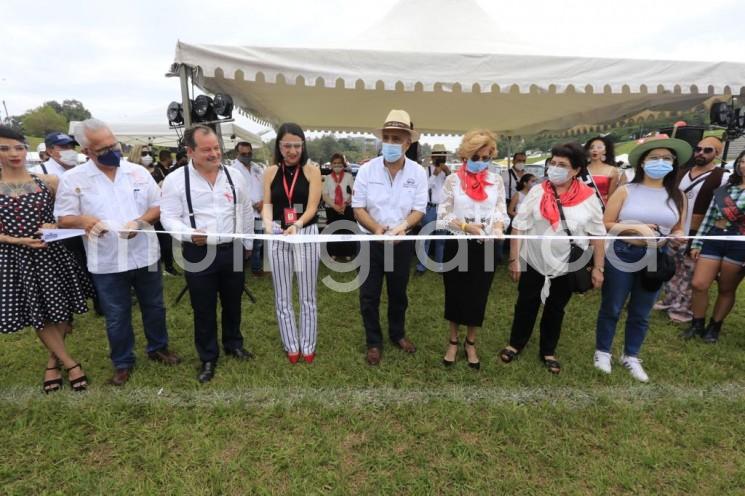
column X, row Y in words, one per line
column 291, row 190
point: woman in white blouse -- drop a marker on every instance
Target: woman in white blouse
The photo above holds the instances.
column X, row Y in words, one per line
column 545, row 277
column 337, row 195
column 474, row 204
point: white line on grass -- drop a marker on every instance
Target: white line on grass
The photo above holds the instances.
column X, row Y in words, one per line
column 270, row 397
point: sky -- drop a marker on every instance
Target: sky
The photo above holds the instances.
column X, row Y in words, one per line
column 113, row 55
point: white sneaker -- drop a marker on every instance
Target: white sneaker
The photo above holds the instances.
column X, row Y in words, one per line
column 602, row 361
column 634, row 366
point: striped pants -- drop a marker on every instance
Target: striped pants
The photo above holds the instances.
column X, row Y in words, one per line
column 302, row 259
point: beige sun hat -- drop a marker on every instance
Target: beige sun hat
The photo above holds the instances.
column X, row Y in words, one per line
column 398, row 119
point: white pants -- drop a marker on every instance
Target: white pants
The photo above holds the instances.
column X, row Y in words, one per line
column 284, row 259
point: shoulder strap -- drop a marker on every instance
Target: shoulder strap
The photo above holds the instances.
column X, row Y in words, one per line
column 235, row 199
column 561, row 214
column 187, row 188
column 589, row 180
column 44, row 168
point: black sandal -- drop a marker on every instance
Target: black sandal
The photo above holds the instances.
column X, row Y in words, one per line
column 52, row 385
column 446, row 362
column 507, row 355
column 473, row 365
column 552, row 365
column 79, row 384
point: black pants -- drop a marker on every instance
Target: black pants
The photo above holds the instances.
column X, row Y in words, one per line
column 166, row 247
column 467, row 293
column 345, row 248
column 224, row 277
column 372, row 286
column 526, row 310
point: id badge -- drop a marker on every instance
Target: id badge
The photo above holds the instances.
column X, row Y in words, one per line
column 290, row 216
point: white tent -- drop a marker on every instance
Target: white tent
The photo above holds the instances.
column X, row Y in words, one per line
column 447, row 85
column 156, row 134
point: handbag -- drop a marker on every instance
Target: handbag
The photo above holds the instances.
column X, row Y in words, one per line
column 580, row 280
column 653, row 280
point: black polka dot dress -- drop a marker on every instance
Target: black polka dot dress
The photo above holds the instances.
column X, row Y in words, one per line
column 37, row 286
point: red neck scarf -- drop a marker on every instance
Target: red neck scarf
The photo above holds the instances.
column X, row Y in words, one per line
column 576, row 194
column 473, row 184
column 338, row 195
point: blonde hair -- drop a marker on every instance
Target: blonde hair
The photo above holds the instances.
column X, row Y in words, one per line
column 475, row 140
column 135, row 154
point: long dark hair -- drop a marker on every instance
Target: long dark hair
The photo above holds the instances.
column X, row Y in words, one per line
column 735, row 179
column 524, row 181
column 670, row 181
column 610, row 149
column 290, row 128
column 572, row 152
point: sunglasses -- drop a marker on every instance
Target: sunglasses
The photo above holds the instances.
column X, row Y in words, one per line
column 704, row 149
column 145, row 153
column 482, row 158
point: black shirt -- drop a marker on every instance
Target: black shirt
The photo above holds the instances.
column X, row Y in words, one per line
column 299, row 196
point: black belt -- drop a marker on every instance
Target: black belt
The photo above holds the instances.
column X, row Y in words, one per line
column 221, row 246
column 430, row 204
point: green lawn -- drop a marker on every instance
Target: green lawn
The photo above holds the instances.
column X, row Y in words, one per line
column 410, row 426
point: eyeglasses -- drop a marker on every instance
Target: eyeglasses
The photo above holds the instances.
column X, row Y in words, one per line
column 704, row 149
column 103, row 151
column 286, row 145
column 483, row 158
column 15, row 148
column 651, row 158
column 146, row 153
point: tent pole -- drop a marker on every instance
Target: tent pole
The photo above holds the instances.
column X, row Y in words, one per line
column 509, row 151
column 185, row 101
column 218, row 130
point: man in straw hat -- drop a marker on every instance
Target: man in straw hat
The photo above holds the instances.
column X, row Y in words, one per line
column 436, row 174
column 390, row 196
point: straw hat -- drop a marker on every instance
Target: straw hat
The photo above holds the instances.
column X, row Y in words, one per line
column 398, row 119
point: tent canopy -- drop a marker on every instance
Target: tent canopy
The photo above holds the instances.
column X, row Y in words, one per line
column 446, row 91
column 161, row 135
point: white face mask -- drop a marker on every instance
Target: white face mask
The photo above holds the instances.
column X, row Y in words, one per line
column 519, row 166
column 558, row 175
column 68, row 157
column 147, row 160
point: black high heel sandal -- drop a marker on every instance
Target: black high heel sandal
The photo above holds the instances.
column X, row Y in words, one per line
column 473, row 365
column 52, row 385
column 446, row 362
column 507, row 355
column 552, row 365
column 79, row 384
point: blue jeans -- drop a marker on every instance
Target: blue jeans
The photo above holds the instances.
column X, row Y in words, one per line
column 431, row 216
column 257, row 253
column 619, row 286
column 116, row 302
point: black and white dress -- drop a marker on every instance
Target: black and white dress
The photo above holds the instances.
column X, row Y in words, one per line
column 39, row 286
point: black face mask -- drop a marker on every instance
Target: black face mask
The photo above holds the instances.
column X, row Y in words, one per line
column 245, row 159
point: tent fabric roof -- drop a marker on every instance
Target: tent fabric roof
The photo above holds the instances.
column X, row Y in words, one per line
column 448, row 83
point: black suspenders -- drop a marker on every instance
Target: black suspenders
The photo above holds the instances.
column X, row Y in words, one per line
column 187, row 186
column 44, row 168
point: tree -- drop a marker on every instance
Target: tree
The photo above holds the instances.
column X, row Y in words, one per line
column 43, row 120
column 72, row 110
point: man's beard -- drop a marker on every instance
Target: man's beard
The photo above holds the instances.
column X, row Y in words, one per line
column 701, row 161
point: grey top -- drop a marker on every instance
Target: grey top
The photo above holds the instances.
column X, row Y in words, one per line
column 647, row 205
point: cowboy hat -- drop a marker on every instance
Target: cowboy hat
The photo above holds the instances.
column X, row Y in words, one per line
column 398, row 119
column 680, row 148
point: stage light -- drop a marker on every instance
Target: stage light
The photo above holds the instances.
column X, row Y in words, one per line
column 202, row 106
column 721, row 114
column 175, row 113
column 223, row 105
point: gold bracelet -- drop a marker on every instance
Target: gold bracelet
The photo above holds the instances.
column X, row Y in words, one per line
column 463, row 227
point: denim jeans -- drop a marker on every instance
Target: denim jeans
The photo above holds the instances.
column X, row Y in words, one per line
column 618, row 287
column 257, row 253
column 431, row 216
column 116, row 302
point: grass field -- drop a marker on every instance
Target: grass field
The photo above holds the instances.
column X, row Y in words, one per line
column 410, row 426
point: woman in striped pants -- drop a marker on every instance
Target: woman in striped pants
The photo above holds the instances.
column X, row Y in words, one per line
column 292, row 192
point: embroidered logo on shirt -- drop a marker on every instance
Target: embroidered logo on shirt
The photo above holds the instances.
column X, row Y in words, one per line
column 410, row 183
column 229, row 196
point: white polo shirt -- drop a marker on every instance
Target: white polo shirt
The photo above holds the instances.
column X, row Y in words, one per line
column 85, row 190
column 214, row 209
column 254, row 179
column 390, row 202
column 53, row 169
column 436, row 182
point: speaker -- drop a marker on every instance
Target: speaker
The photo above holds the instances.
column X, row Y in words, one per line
column 690, row 134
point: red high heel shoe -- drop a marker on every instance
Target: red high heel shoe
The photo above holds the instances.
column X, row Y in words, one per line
column 293, row 357
column 309, row 358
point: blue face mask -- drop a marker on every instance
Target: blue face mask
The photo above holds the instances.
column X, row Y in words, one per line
column 657, row 169
column 476, row 166
column 392, row 152
column 112, row 158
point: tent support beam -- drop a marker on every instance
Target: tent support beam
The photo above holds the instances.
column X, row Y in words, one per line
column 185, row 101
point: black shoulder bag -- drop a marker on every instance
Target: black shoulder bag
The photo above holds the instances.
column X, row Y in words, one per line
column 580, row 279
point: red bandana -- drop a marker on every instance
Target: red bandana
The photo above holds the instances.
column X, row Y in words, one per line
column 473, row 184
column 576, row 194
column 338, row 196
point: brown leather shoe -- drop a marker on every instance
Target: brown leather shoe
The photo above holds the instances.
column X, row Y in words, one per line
column 164, row 356
column 373, row 356
column 121, row 376
column 406, row 345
